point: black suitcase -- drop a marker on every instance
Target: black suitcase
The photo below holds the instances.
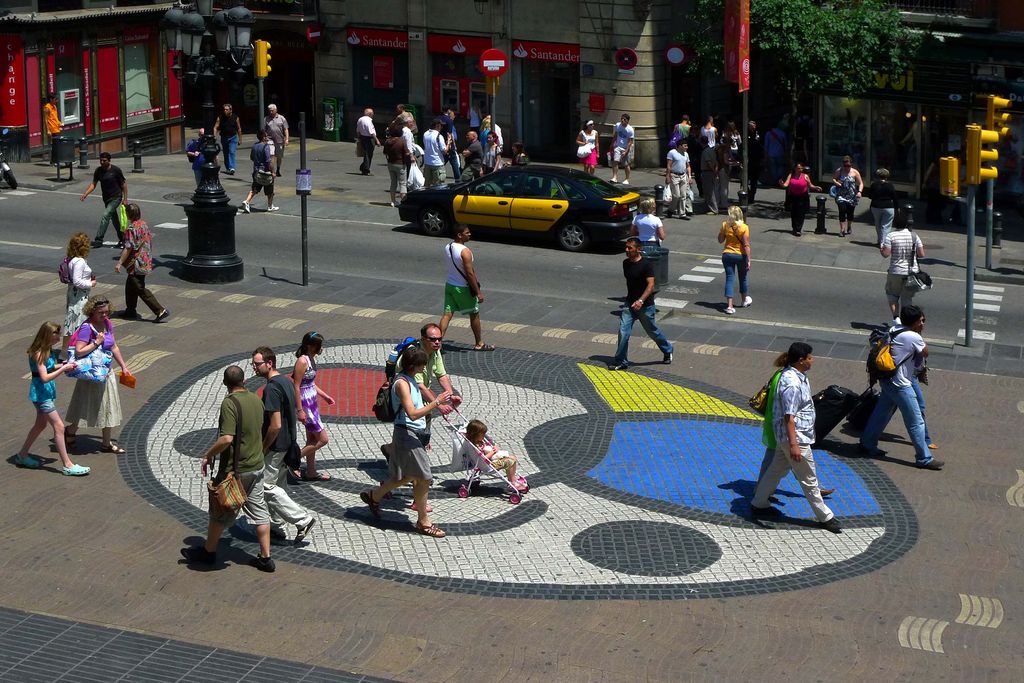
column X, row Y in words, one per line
column 860, row 415
column 831, row 405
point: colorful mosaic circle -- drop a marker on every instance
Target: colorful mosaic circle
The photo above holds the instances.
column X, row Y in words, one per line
column 640, row 484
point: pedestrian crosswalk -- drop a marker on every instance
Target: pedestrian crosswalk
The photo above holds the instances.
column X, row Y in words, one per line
column 700, row 274
column 4, row 194
column 986, row 298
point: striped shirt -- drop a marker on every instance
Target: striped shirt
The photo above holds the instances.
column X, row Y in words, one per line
column 793, row 397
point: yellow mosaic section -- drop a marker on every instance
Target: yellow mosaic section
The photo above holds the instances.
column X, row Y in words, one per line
column 628, row 392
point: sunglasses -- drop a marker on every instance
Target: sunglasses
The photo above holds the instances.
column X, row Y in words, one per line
column 434, row 339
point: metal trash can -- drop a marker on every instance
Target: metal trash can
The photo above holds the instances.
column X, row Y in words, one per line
column 63, row 150
column 658, row 256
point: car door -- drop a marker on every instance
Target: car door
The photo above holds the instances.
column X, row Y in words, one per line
column 487, row 202
column 539, row 203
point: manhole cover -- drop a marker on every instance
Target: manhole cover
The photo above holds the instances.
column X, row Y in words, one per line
column 178, row 197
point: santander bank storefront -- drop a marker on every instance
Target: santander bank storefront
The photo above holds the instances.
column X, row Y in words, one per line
column 548, row 78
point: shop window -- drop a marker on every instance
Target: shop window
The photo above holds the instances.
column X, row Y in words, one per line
column 895, row 138
column 141, row 82
column 844, row 132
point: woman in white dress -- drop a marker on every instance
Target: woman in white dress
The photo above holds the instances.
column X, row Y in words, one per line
column 588, row 137
column 80, row 283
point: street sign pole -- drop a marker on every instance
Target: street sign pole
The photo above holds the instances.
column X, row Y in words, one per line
column 263, row 110
column 972, row 190
column 744, row 177
column 303, row 196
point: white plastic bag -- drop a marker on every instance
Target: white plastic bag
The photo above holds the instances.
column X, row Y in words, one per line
column 584, row 150
column 415, row 180
column 666, row 193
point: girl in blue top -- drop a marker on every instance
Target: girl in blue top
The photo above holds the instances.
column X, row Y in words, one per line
column 42, row 361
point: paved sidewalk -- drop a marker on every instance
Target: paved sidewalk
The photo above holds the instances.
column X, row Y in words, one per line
column 604, row 572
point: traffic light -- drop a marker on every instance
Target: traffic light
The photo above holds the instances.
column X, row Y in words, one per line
column 994, row 118
column 949, row 176
column 976, row 174
column 262, row 58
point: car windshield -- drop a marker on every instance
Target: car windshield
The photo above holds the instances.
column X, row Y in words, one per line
column 601, row 188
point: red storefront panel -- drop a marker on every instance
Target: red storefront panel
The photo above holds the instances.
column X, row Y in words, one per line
column 13, row 104
column 173, row 89
column 383, row 72
column 109, row 88
column 33, row 94
column 87, row 91
column 445, row 44
column 369, row 37
column 546, row 52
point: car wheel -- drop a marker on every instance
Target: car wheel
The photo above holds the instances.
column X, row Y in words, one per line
column 573, row 237
column 434, row 221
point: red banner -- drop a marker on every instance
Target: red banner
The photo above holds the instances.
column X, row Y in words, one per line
column 383, row 72
column 108, row 89
column 13, row 111
column 546, row 52
column 743, row 77
column 440, row 43
column 173, row 89
column 730, row 39
column 86, row 90
column 368, row 37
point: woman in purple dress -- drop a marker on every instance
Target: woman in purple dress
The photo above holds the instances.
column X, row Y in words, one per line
column 307, row 410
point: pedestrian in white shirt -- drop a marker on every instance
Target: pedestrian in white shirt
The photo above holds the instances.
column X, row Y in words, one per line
column 434, row 149
column 677, row 176
column 367, row 135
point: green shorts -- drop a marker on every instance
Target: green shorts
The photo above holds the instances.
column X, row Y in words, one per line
column 459, row 300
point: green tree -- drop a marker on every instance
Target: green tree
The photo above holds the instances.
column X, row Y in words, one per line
column 811, row 44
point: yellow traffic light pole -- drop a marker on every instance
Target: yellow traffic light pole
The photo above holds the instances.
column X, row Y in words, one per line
column 995, row 122
column 261, row 67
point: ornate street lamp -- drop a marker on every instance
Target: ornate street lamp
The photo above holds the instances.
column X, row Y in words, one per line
column 211, row 220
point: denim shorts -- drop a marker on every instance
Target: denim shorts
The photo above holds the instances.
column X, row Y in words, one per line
column 44, row 407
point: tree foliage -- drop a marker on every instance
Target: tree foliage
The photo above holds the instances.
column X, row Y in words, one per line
column 812, row 44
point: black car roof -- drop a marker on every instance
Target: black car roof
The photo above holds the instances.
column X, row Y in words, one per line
column 553, row 170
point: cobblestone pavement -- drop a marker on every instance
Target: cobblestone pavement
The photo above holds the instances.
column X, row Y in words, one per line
column 640, row 483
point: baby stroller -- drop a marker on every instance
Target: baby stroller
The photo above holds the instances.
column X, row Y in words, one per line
column 468, row 458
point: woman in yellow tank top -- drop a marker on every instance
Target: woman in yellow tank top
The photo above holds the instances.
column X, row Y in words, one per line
column 735, row 256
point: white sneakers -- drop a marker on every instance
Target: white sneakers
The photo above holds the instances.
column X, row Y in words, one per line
column 730, row 310
column 747, row 301
column 245, row 207
column 625, row 182
column 273, row 208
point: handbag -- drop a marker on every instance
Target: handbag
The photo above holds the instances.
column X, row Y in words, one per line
column 919, row 281
column 229, row 494
column 293, row 456
column 759, row 401
column 93, row 367
column 584, row 150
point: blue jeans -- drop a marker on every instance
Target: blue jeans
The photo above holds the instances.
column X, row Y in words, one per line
column 198, row 173
column 734, row 264
column 110, row 214
column 230, row 146
column 904, row 398
column 920, row 403
column 646, row 317
column 456, row 162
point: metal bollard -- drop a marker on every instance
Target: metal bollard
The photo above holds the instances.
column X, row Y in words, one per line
column 659, row 200
column 820, row 227
column 907, row 209
column 997, row 230
column 137, row 157
column 742, row 197
column 83, row 153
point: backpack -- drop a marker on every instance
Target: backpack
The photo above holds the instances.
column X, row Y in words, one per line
column 64, row 270
column 383, row 408
column 880, row 363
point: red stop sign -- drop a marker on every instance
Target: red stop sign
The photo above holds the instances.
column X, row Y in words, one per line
column 625, row 58
column 493, row 62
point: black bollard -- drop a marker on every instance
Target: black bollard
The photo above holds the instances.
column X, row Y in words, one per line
column 820, row 227
column 997, row 230
column 83, row 153
column 659, row 200
column 137, row 157
column 907, row 209
column 742, row 195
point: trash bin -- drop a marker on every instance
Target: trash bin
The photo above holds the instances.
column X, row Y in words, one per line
column 62, row 150
column 330, row 119
column 658, row 256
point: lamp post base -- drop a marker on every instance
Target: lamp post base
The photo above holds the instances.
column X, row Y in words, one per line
column 211, row 245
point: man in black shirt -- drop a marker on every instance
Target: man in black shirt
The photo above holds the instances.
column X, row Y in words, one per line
column 114, row 189
column 639, row 305
column 279, row 433
column 755, row 154
column 229, row 128
column 474, row 154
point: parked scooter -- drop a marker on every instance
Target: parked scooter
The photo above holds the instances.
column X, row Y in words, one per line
column 5, row 168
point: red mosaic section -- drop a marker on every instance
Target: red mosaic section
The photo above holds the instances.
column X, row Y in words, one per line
column 353, row 389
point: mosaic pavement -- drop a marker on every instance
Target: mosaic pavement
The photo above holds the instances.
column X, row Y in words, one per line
column 640, row 485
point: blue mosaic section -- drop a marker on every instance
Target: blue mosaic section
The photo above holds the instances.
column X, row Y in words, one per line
column 713, row 466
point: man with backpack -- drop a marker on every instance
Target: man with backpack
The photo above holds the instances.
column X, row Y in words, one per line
column 908, row 352
column 262, row 173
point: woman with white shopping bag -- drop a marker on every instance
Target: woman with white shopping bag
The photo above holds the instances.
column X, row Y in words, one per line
column 589, row 142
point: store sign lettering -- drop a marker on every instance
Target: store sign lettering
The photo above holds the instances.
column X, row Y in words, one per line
column 12, row 106
column 394, row 40
column 904, row 83
column 546, row 52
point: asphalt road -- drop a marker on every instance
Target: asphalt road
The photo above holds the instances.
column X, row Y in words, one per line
column 811, row 285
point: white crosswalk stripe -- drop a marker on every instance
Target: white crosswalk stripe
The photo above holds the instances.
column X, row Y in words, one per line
column 986, row 307
column 988, row 288
column 670, row 303
column 706, row 269
column 988, row 297
column 982, row 335
column 171, row 226
column 697, row 278
column 18, row 193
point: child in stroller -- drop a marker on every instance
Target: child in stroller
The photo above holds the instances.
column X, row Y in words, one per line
column 476, row 446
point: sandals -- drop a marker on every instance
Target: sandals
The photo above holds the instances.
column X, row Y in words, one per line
column 29, row 462
column 484, row 347
column 430, row 508
column 75, row 471
column 320, row 476
column 367, row 497
column 433, row 531
column 113, row 448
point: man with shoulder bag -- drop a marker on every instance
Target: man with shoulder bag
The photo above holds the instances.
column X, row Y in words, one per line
column 263, row 165
column 238, row 484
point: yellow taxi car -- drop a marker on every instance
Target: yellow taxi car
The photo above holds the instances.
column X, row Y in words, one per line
column 572, row 206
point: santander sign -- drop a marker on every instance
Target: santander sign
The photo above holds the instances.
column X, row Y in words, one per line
column 366, row 37
column 546, row 52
